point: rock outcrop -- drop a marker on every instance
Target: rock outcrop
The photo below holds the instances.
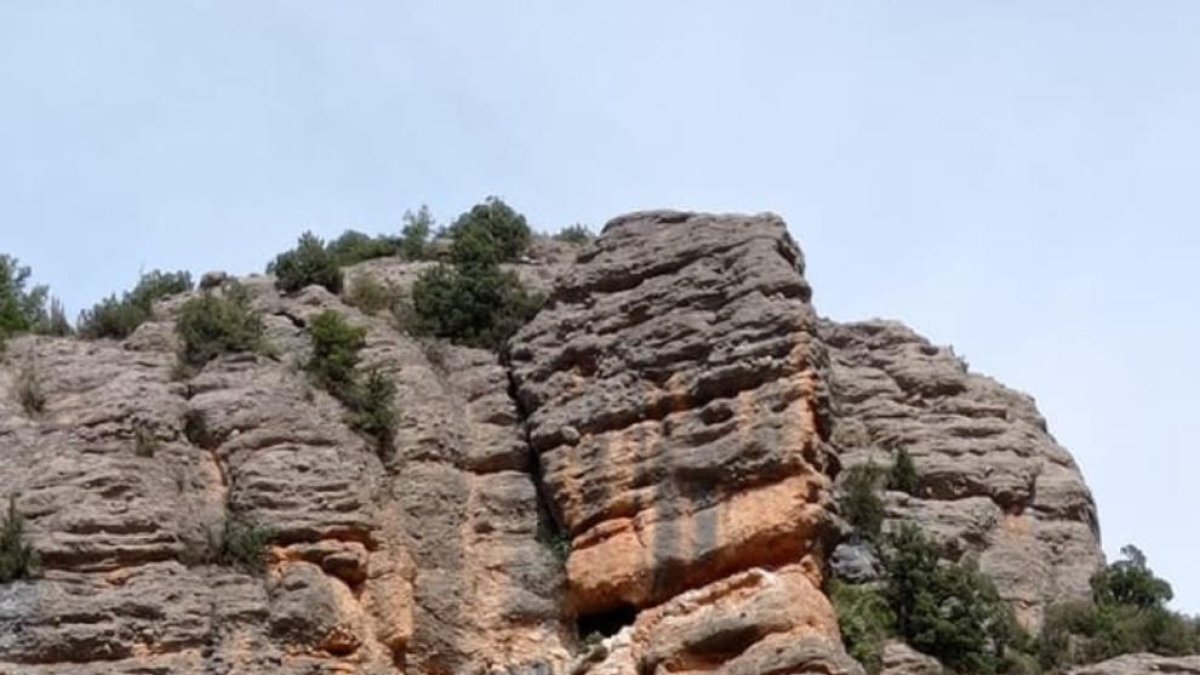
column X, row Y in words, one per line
column 645, row 485
column 993, row 484
column 675, row 403
column 1143, row 664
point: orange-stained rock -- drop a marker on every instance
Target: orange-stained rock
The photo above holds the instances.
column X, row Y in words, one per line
column 673, row 413
column 674, row 398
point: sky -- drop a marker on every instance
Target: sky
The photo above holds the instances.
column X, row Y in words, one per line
column 1017, row 179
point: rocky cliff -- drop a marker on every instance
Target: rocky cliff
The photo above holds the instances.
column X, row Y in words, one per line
column 655, row 465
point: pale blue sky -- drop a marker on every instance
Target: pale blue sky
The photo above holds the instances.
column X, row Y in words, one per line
column 1018, row 179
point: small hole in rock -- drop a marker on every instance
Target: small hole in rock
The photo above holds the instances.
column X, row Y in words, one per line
column 606, row 624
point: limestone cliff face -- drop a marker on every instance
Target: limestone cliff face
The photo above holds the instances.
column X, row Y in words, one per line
column 993, row 484
column 674, row 419
column 675, row 402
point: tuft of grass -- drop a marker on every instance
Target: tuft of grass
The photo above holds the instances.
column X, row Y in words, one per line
column 903, row 474
column 239, row 544
column 29, row 391
column 370, row 296
column 145, row 441
column 18, row 560
column 576, row 234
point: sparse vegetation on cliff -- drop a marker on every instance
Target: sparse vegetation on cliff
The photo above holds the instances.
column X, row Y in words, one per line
column 29, row 391
column 1128, row 614
column 576, row 234
column 353, row 247
column 506, row 231
column 473, row 301
column 310, row 263
column 414, row 236
column 210, row 325
column 860, row 503
column 117, row 318
column 18, row 560
column 865, row 621
column 23, row 308
column 332, row 365
column 241, row 545
column 949, row 611
column 903, row 475
column 371, row 296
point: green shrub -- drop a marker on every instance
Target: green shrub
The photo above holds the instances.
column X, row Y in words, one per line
column 1128, row 614
column 860, row 503
column 865, row 621
column 414, row 236
column 1130, row 582
column 29, row 391
column 308, row 264
column 951, row 612
column 18, row 560
column 576, row 234
column 476, row 304
column 372, row 412
column 355, row 247
column 503, row 227
column 55, row 322
column 21, row 308
column 242, row 545
column 117, row 318
column 903, row 475
column 370, row 295
column 335, row 347
column 210, row 325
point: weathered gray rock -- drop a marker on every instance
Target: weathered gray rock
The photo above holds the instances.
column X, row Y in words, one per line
column 856, row 562
column 900, row 659
column 682, row 415
column 993, row 483
column 673, row 392
column 1143, row 664
column 430, row 559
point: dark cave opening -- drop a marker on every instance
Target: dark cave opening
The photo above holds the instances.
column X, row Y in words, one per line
column 606, row 624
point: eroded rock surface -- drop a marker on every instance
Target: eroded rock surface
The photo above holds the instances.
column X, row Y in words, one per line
column 425, row 561
column 992, row 482
column 673, row 421
column 1143, row 664
column 674, row 397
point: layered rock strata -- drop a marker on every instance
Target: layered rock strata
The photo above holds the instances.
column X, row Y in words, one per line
column 672, row 423
column 675, row 401
column 993, row 484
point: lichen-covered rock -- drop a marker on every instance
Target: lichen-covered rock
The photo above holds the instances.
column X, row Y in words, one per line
column 992, row 482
